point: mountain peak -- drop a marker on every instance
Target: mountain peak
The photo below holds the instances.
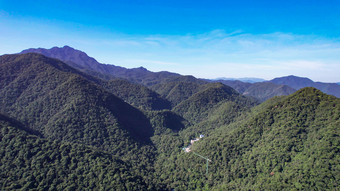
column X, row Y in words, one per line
column 76, row 58
column 141, row 68
column 293, row 81
column 301, row 82
column 68, row 47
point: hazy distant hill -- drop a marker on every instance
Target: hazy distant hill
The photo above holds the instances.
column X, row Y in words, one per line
column 83, row 62
column 299, row 82
column 236, row 84
column 266, row 90
column 247, row 80
column 260, row 90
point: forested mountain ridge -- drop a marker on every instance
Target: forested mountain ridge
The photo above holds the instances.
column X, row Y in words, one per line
column 137, row 95
column 62, row 105
column 198, row 106
column 288, row 143
column 47, row 96
column 176, row 92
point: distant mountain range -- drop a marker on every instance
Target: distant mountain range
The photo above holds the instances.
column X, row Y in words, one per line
column 71, row 123
column 248, row 80
column 248, row 86
column 299, row 82
column 280, row 86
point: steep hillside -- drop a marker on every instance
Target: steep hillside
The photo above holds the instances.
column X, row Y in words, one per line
column 89, row 65
column 289, row 143
column 299, row 82
column 48, row 96
column 137, row 95
column 199, row 106
column 176, row 92
column 29, row 162
column 92, row 70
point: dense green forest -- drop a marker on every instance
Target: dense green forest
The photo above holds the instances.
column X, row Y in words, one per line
column 64, row 129
column 30, row 162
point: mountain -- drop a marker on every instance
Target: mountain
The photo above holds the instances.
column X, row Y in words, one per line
column 176, row 92
column 137, row 95
column 288, row 143
column 198, row 106
column 247, row 80
column 52, row 98
column 236, row 84
column 75, row 58
column 89, row 65
column 66, row 128
column 29, row 162
column 299, row 82
column 118, row 87
column 260, row 90
column 265, row 90
column 55, row 100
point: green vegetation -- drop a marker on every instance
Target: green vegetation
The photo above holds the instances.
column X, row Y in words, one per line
column 48, row 96
column 29, row 162
column 199, row 106
column 71, row 131
column 137, row 95
column 177, row 91
column 291, row 144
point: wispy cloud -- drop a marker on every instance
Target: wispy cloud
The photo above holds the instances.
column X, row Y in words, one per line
column 210, row 55
column 237, row 54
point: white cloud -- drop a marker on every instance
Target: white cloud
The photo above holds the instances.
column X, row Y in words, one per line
column 217, row 54
column 212, row 54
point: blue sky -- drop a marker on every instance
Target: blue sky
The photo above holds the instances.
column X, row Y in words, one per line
column 207, row 39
